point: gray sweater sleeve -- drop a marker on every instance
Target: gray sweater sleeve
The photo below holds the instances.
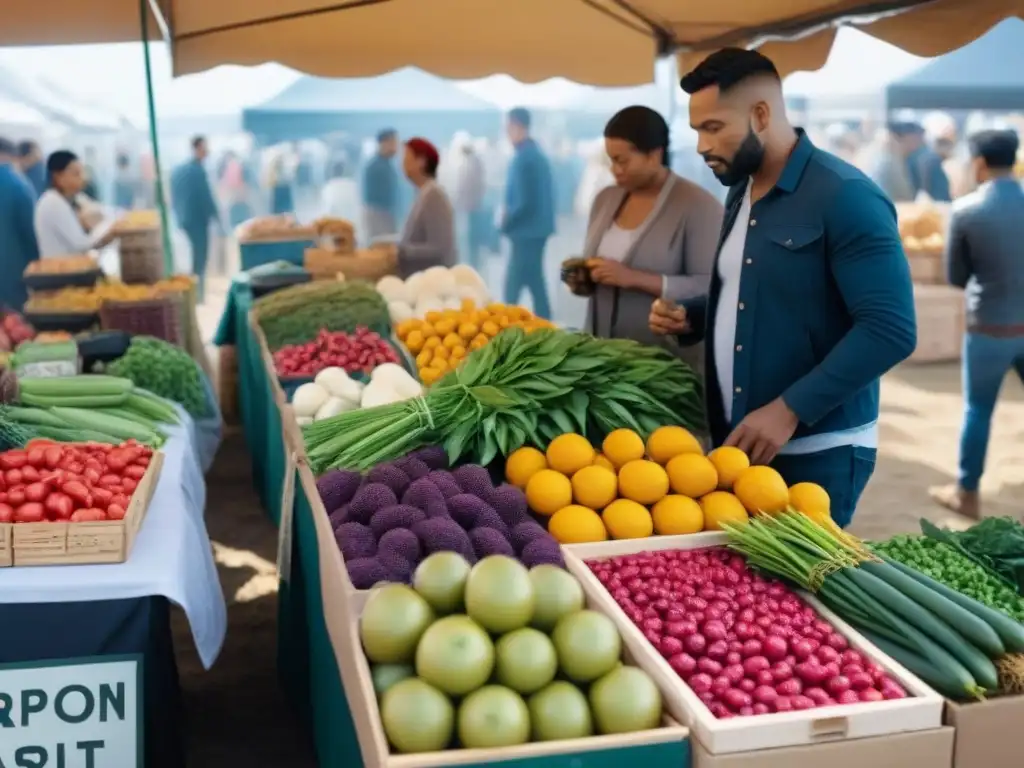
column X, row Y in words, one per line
column 700, row 241
column 431, row 238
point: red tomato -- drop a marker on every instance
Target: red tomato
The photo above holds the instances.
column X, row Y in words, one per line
column 118, row 460
column 90, row 515
column 16, row 496
column 38, row 441
column 121, row 500
column 59, row 506
column 36, row 456
column 92, row 477
column 135, row 472
column 78, row 493
column 142, row 461
column 116, row 512
column 29, row 474
column 96, row 464
column 76, row 467
column 129, row 484
column 6, row 513
column 3, row 483
column 102, row 496
column 52, row 455
column 35, row 492
column 13, row 460
column 13, row 477
column 107, row 481
column 31, row 512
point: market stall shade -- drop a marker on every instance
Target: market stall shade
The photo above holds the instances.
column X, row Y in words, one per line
column 603, row 42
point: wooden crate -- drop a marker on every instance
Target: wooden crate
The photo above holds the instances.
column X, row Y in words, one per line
column 920, row 711
column 367, row 264
column 940, row 323
column 109, row 541
column 926, row 267
column 6, row 545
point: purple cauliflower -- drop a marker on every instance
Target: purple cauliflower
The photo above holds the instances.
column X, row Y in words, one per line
column 434, row 456
column 355, row 540
column 542, row 552
column 368, row 499
column 474, row 479
column 468, row 510
column 488, row 541
column 337, row 487
column 367, row 571
column 445, row 483
column 391, row 476
column 396, row 516
column 413, row 467
column 338, row 516
column 439, row 534
column 510, row 504
column 423, row 494
column 526, row 532
column 398, row 568
column 402, row 542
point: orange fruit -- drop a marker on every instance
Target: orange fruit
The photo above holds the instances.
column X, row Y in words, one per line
column 761, row 489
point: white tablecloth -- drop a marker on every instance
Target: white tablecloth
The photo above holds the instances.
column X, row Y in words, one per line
column 172, row 555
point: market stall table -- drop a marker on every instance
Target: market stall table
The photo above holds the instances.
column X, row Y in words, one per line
column 257, row 252
column 66, row 622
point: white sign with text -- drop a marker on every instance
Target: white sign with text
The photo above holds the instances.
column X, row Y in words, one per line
column 81, row 714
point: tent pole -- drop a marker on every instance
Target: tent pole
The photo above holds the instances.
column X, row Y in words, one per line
column 161, row 203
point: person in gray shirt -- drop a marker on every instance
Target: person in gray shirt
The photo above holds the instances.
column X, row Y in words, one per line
column 428, row 237
column 985, row 256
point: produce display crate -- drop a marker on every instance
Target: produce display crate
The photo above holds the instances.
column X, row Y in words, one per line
column 940, row 323
column 367, row 264
column 141, row 254
column 926, row 267
column 51, row 320
column 988, row 733
column 6, row 545
column 160, row 317
column 920, row 711
column 670, row 740
column 105, row 542
column 53, row 281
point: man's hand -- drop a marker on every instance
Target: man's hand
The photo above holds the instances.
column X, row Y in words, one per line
column 610, row 272
column 667, row 319
column 763, row 432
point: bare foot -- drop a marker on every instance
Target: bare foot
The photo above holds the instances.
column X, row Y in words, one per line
column 955, row 499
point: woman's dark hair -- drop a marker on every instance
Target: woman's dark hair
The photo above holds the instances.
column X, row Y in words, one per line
column 642, row 127
column 59, row 161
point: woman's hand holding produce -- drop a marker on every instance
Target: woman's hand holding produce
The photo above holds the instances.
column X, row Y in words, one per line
column 667, row 319
column 70, row 482
column 611, row 272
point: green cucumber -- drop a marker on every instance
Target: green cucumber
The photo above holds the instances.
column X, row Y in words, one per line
column 931, row 626
column 974, row 629
column 1011, row 632
column 949, row 679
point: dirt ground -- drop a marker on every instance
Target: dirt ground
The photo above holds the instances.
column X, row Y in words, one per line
column 236, row 712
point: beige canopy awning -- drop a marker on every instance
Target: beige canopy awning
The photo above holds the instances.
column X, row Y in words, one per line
column 602, row 42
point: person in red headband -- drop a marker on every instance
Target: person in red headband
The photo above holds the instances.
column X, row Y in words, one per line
column 428, row 237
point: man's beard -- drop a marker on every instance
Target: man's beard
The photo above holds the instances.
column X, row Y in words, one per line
column 745, row 162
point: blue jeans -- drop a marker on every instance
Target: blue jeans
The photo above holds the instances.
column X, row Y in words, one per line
column 843, row 472
column 199, row 240
column 986, row 361
column 526, row 270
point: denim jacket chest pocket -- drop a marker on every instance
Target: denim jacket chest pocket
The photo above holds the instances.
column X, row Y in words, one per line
column 794, row 259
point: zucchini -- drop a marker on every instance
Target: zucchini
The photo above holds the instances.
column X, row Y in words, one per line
column 71, row 401
column 974, row 629
column 951, row 680
column 100, row 422
column 931, row 626
column 151, row 407
column 66, row 435
column 130, row 415
column 35, row 417
column 1011, row 632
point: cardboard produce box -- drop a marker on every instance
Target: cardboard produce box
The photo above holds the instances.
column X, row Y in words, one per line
column 988, row 733
column 940, row 325
column 924, row 749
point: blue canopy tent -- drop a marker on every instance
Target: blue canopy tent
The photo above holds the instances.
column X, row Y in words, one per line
column 986, row 74
column 409, row 100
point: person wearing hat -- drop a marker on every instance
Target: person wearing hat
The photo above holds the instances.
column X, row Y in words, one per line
column 983, row 256
column 428, row 237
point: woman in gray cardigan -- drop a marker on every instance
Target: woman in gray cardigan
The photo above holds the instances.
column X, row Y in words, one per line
column 653, row 235
column 428, row 237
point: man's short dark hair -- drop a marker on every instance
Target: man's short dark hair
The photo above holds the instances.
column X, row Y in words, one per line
column 998, row 148
column 26, row 148
column 520, row 116
column 7, row 147
column 197, row 141
column 728, row 68
column 386, row 134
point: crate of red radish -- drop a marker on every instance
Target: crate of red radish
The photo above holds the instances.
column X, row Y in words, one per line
column 744, row 660
column 74, row 503
column 358, row 352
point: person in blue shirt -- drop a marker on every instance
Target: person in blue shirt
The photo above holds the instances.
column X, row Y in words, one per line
column 380, row 189
column 924, row 165
column 811, row 300
column 984, row 257
column 17, row 230
column 33, row 165
column 195, row 207
column 529, row 217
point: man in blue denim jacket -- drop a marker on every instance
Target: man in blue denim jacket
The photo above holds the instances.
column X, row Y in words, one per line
column 811, row 299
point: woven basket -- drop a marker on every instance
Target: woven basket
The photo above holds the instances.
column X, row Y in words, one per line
column 157, row 317
column 142, row 256
column 187, row 297
column 368, row 264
